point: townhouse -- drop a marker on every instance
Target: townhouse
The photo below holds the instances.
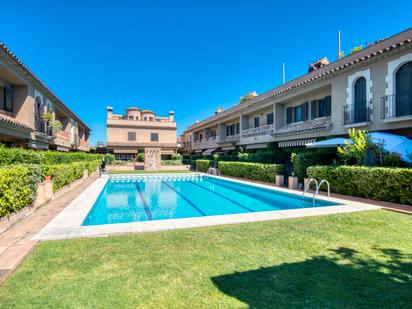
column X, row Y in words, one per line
column 369, row 89
column 28, row 108
column 137, row 130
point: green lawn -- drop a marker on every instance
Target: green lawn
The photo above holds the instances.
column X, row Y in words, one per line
column 360, row 260
column 150, row 172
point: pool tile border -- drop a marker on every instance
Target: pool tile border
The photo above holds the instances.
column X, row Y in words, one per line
column 68, row 224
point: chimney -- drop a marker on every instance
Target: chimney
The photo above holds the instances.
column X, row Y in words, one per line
column 109, row 112
column 171, row 116
column 219, row 110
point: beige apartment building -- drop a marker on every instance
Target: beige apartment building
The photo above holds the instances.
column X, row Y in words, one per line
column 24, row 100
column 137, row 130
column 370, row 89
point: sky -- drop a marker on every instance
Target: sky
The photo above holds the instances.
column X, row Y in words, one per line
column 187, row 56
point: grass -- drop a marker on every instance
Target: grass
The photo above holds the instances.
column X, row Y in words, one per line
column 150, row 172
column 339, row 261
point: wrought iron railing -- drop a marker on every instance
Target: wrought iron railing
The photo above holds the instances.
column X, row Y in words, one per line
column 397, row 105
column 258, row 131
column 357, row 113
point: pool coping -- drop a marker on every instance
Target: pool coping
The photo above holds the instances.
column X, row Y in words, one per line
column 68, row 223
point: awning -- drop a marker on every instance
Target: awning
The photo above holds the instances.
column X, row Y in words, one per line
column 167, row 152
column 295, row 143
column 128, row 151
column 391, row 143
column 198, row 150
column 256, row 146
column 228, row 148
column 208, row 151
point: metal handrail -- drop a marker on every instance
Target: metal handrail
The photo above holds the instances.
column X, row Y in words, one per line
column 306, row 189
column 321, row 182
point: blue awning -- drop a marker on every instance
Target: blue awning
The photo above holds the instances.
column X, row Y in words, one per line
column 392, row 143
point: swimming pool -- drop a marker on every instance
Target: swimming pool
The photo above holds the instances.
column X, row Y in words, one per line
column 127, row 199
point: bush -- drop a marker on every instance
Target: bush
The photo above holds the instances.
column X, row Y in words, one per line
column 302, row 160
column 64, row 174
column 255, row 171
column 378, row 183
column 203, row 165
column 171, row 162
column 18, row 186
column 140, row 157
column 10, row 156
column 109, row 158
column 177, row 157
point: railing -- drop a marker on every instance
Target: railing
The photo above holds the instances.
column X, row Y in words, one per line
column 258, row 131
column 230, row 138
column 206, row 142
column 356, row 113
column 397, row 105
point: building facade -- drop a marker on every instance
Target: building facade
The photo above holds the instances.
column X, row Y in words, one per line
column 370, row 89
column 137, row 130
column 24, row 101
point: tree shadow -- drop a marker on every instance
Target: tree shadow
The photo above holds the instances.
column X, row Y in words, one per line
column 346, row 279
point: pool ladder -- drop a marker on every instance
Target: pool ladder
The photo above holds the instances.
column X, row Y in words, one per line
column 318, row 185
column 213, row 171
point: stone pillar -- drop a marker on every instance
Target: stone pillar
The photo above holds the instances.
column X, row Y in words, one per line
column 280, row 180
column 48, row 190
column 85, row 174
column 293, row 182
column 152, row 159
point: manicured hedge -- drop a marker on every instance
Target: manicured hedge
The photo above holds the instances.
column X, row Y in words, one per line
column 64, row 174
column 255, row 171
column 18, row 186
column 171, row 162
column 378, row 183
column 10, row 156
column 203, row 165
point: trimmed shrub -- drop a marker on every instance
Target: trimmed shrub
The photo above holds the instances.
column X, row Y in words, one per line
column 171, row 162
column 377, row 183
column 140, row 157
column 18, row 186
column 64, row 174
column 255, row 171
column 302, row 160
column 203, row 165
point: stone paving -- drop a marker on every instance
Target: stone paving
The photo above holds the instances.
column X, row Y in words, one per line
column 17, row 242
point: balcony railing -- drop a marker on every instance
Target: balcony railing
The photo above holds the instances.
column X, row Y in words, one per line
column 397, row 105
column 357, row 113
column 258, row 131
column 230, row 138
column 206, row 143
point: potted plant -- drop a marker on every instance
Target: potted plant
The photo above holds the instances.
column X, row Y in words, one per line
column 47, row 178
column 55, row 126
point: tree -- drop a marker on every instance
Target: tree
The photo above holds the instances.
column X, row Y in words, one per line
column 357, row 149
column 248, row 96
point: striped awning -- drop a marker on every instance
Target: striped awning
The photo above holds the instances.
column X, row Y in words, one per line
column 208, row 151
column 295, row 143
column 228, row 148
column 167, row 152
column 122, row 150
column 256, row 146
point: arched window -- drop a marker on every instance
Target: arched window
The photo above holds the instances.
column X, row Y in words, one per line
column 38, row 113
column 360, row 100
column 403, row 92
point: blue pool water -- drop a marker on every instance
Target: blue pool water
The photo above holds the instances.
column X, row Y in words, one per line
column 143, row 198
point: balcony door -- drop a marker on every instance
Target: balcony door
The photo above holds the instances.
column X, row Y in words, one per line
column 404, row 90
column 360, row 100
column 38, row 115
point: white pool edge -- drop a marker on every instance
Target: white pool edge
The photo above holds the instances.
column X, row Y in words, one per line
column 68, row 223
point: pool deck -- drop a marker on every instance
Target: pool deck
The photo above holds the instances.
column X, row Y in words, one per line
column 68, row 224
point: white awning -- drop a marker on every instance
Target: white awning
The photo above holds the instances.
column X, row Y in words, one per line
column 228, row 148
column 198, row 150
column 256, row 146
column 298, row 142
column 208, row 151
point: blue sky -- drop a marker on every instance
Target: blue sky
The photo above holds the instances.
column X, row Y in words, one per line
column 186, row 56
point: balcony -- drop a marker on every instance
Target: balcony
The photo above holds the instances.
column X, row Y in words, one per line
column 230, row 138
column 357, row 114
column 209, row 142
column 258, row 131
column 397, row 107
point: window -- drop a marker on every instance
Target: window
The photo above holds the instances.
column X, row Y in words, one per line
column 403, row 84
column 237, row 128
column 298, row 113
column 131, row 136
column 154, row 137
column 256, row 122
column 130, row 117
column 269, row 118
column 321, row 108
column 145, row 118
column 230, row 130
column 151, row 118
column 8, row 98
column 305, row 111
column 289, row 113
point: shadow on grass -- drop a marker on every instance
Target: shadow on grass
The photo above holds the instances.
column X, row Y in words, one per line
column 346, row 279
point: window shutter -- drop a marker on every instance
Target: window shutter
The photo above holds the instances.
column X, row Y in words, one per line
column 313, row 109
column 305, row 111
column 289, row 115
column 328, row 105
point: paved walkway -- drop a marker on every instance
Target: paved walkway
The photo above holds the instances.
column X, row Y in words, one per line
column 17, row 242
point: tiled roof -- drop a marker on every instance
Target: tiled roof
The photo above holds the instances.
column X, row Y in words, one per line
column 14, row 58
column 365, row 54
column 10, row 121
column 323, row 123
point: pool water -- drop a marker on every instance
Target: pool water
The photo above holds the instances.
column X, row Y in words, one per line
column 159, row 197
